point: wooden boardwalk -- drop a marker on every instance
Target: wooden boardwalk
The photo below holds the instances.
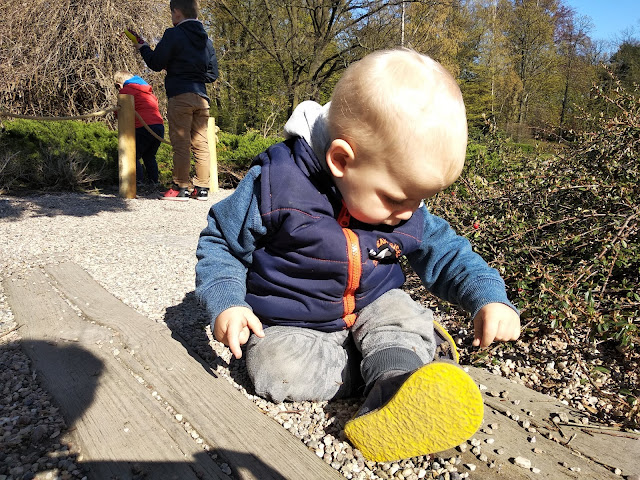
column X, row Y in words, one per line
column 121, row 380
column 113, row 372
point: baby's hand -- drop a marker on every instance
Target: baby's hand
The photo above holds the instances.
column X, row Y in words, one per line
column 495, row 321
column 234, row 326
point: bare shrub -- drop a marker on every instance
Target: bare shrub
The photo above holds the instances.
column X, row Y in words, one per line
column 7, row 169
column 57, row 57
column 69, row 172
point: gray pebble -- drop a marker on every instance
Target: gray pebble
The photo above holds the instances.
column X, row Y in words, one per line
column 522, row 462
column 39, row 433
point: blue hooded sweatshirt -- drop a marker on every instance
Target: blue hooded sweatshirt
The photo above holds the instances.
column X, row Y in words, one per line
column 283, row 246
column 187, row 54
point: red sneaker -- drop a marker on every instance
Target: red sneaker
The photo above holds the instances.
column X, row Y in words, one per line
column 176, row 193
column 200, row 193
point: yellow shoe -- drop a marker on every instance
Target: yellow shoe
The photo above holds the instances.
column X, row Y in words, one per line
column 437, row 407
column 445, row 345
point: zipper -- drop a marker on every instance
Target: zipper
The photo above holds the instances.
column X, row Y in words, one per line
column 354, row 270
column 345, row 217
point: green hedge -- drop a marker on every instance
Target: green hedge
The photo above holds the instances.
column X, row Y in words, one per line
column 57, row 155
column 239, row 150
column 73, row 155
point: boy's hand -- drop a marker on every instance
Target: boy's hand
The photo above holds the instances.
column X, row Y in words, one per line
column 137, row 40
column 495, row 321
column 234, row 326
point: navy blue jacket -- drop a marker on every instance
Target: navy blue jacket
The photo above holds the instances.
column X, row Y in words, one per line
column 284, row 246
column 187, row 54
column 314, row 268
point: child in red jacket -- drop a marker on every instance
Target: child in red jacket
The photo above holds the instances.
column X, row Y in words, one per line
column 146, row 105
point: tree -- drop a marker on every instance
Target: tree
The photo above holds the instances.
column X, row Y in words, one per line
column 530, row 37
column 309, row 41
column 445, row 31
column 625, row 63
column 574, row 45
column 248, row 92
column 477, row 58
column 488, row 79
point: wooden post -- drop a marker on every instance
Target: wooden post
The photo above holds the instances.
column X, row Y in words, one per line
column 127, row 146
column 213, row 165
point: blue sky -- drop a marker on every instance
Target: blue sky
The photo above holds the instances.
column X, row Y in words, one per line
column 609, row 17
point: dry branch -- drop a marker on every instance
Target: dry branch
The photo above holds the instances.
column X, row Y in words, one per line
column 57, row 57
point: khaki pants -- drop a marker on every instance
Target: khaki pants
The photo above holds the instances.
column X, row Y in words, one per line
column 188, row 116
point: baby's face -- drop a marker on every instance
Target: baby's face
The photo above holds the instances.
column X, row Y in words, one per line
column 380, row 194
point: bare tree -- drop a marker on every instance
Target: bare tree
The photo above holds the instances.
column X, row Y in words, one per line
column 311, row 40
column 573, row 44
column 529, row 30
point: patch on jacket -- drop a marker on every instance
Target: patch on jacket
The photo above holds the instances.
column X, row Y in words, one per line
column 385, row 252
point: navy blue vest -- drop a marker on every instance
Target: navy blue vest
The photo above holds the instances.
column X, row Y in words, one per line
column 309, row 270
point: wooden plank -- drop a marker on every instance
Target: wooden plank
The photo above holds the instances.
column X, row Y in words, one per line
column 255, row 445
column 596, row 456
column 76, row 354
column 122, row 430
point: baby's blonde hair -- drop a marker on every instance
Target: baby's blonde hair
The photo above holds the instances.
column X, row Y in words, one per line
column 393, row 102
column 121, row 76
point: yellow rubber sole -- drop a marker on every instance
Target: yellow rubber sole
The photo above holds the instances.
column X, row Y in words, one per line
column 438, row 407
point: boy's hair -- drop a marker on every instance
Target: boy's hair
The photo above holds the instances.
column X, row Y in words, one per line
column 189, row 8
column 394, row 100
column 121, row 76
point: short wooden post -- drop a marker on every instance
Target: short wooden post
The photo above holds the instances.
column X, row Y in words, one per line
column 127, row 146
column 213, row 165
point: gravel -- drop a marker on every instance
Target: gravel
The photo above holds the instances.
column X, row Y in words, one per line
column 143, row 252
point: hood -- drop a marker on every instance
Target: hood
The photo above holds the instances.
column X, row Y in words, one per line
column 309, row 121
column 135, row 80
column 194, row 30
column 138, row 84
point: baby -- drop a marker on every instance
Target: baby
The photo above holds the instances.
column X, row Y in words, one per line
column 301, row 263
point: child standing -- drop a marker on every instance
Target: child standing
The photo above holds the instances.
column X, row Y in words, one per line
column 309, row 244
column 146, row 105
column 188, row 56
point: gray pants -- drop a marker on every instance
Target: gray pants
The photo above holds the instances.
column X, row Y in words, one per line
column 394, row 333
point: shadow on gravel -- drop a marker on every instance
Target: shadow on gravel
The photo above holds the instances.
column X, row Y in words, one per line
column 67, row 366
column 12, row 208
column 188, row 322
column 39, row 442
column 131, row 470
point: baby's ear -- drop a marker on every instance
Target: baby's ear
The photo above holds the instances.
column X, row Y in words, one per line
column 339, row 156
